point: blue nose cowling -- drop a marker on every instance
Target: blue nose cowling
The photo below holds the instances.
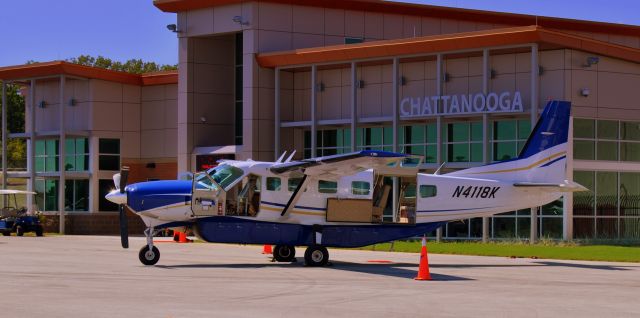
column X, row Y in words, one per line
column 155, row 194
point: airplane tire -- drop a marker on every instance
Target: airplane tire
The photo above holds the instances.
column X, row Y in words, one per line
column 149, row 257
column 316, row 256
column 284, row 253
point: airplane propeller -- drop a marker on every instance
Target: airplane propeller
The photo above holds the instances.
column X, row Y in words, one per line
column 120, row 181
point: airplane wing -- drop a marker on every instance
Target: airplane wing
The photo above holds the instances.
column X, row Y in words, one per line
column 336, row 166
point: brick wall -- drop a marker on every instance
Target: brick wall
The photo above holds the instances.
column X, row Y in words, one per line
column 139, row 172
column 94, row 224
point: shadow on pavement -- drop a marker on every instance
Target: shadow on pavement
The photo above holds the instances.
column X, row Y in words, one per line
column 392, row 269
column 589, row 266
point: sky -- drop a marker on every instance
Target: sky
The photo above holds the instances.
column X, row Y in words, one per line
column 45, row 30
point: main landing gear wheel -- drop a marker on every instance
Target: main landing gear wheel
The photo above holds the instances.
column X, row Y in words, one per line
column 284, row 253
column 149, row 256
column 316, row 256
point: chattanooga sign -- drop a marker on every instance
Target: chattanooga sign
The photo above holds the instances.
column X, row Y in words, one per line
column 505, row 102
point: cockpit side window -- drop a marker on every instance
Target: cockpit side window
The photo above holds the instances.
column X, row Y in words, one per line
column 327, row 186
column 360, row 187
column 293, row 183
column 225, row 175
column 428, row 191
column 273, row 184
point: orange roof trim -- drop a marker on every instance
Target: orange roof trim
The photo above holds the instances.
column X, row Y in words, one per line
column 444, row 43
column 35, row 70
column 385, row 6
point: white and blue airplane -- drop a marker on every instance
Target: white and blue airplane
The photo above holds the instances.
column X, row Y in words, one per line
column 343, row 200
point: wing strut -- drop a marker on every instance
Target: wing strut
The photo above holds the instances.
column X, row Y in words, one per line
column 296, row 195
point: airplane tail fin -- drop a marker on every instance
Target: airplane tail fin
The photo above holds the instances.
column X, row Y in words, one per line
column 543, row 157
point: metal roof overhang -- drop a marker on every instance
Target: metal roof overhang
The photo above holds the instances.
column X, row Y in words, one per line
column 457, row 42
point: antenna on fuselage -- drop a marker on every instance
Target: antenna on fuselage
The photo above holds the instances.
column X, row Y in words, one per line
column 280, row 158
column 439, row 168
column 290, row 156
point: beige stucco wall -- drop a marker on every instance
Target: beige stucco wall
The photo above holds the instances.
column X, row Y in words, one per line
column 275, row 27
column 159, row 121
column 205, row 90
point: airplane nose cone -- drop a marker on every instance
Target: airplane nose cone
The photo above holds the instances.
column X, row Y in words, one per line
column 116, row 197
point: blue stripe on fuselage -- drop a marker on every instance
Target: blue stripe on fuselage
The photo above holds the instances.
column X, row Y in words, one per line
column 552, row 162
column 155, row 194
column 222, row 229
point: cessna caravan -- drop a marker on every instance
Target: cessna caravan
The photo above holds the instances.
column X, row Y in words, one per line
column 345, row 200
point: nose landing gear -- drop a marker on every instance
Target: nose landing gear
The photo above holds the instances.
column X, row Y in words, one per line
column 149, row 254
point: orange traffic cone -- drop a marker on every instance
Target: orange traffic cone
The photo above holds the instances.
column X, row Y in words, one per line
column 423, row 270
column 267, row 249
column 183, row 238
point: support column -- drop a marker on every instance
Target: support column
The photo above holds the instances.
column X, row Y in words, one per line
column 314, row 121
column 276, row 115
column 61, row 157
column 354, row 106
column 567, row 201
column 31, row 145
column 394, row 126
column 439, row 156
column 533, row 235
column 485, row 133
column 4, row 140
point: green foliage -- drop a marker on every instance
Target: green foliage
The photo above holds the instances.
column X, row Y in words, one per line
column 134, row 66
column 548, row 250
column 16, row 148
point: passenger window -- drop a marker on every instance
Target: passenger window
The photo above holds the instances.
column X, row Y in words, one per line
column 360, row 187
column 293, row 183
column 428, row 191
column 273, row 184
column 327, row 186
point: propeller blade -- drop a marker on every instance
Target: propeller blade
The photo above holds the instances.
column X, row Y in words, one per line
column 124, row 175
column 124, row 227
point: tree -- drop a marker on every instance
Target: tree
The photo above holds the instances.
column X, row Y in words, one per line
column 134, row 66
column 16, row 148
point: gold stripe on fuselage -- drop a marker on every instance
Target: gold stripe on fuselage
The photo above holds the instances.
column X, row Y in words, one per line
column 267, row 208
column 527, row 167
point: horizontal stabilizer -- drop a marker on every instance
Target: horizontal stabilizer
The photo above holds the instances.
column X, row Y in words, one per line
column 567, row 186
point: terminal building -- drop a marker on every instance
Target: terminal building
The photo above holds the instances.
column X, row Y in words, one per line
column 256, row 78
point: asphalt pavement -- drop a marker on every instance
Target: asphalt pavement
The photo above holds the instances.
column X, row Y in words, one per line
column 91, row 276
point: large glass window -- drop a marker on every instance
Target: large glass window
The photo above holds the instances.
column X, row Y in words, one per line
column 329, row 142
column 238, row 88
column 419, row 140
column 109, row 154
column 508, row 137
column 46, row 156
column 608, row 140
column 76, row 154
column 374, row 138
column 76, row 195
column 46, row 194
column 462, row 142
column 611, row 207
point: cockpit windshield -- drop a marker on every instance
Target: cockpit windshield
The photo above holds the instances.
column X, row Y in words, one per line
column 225, row 175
